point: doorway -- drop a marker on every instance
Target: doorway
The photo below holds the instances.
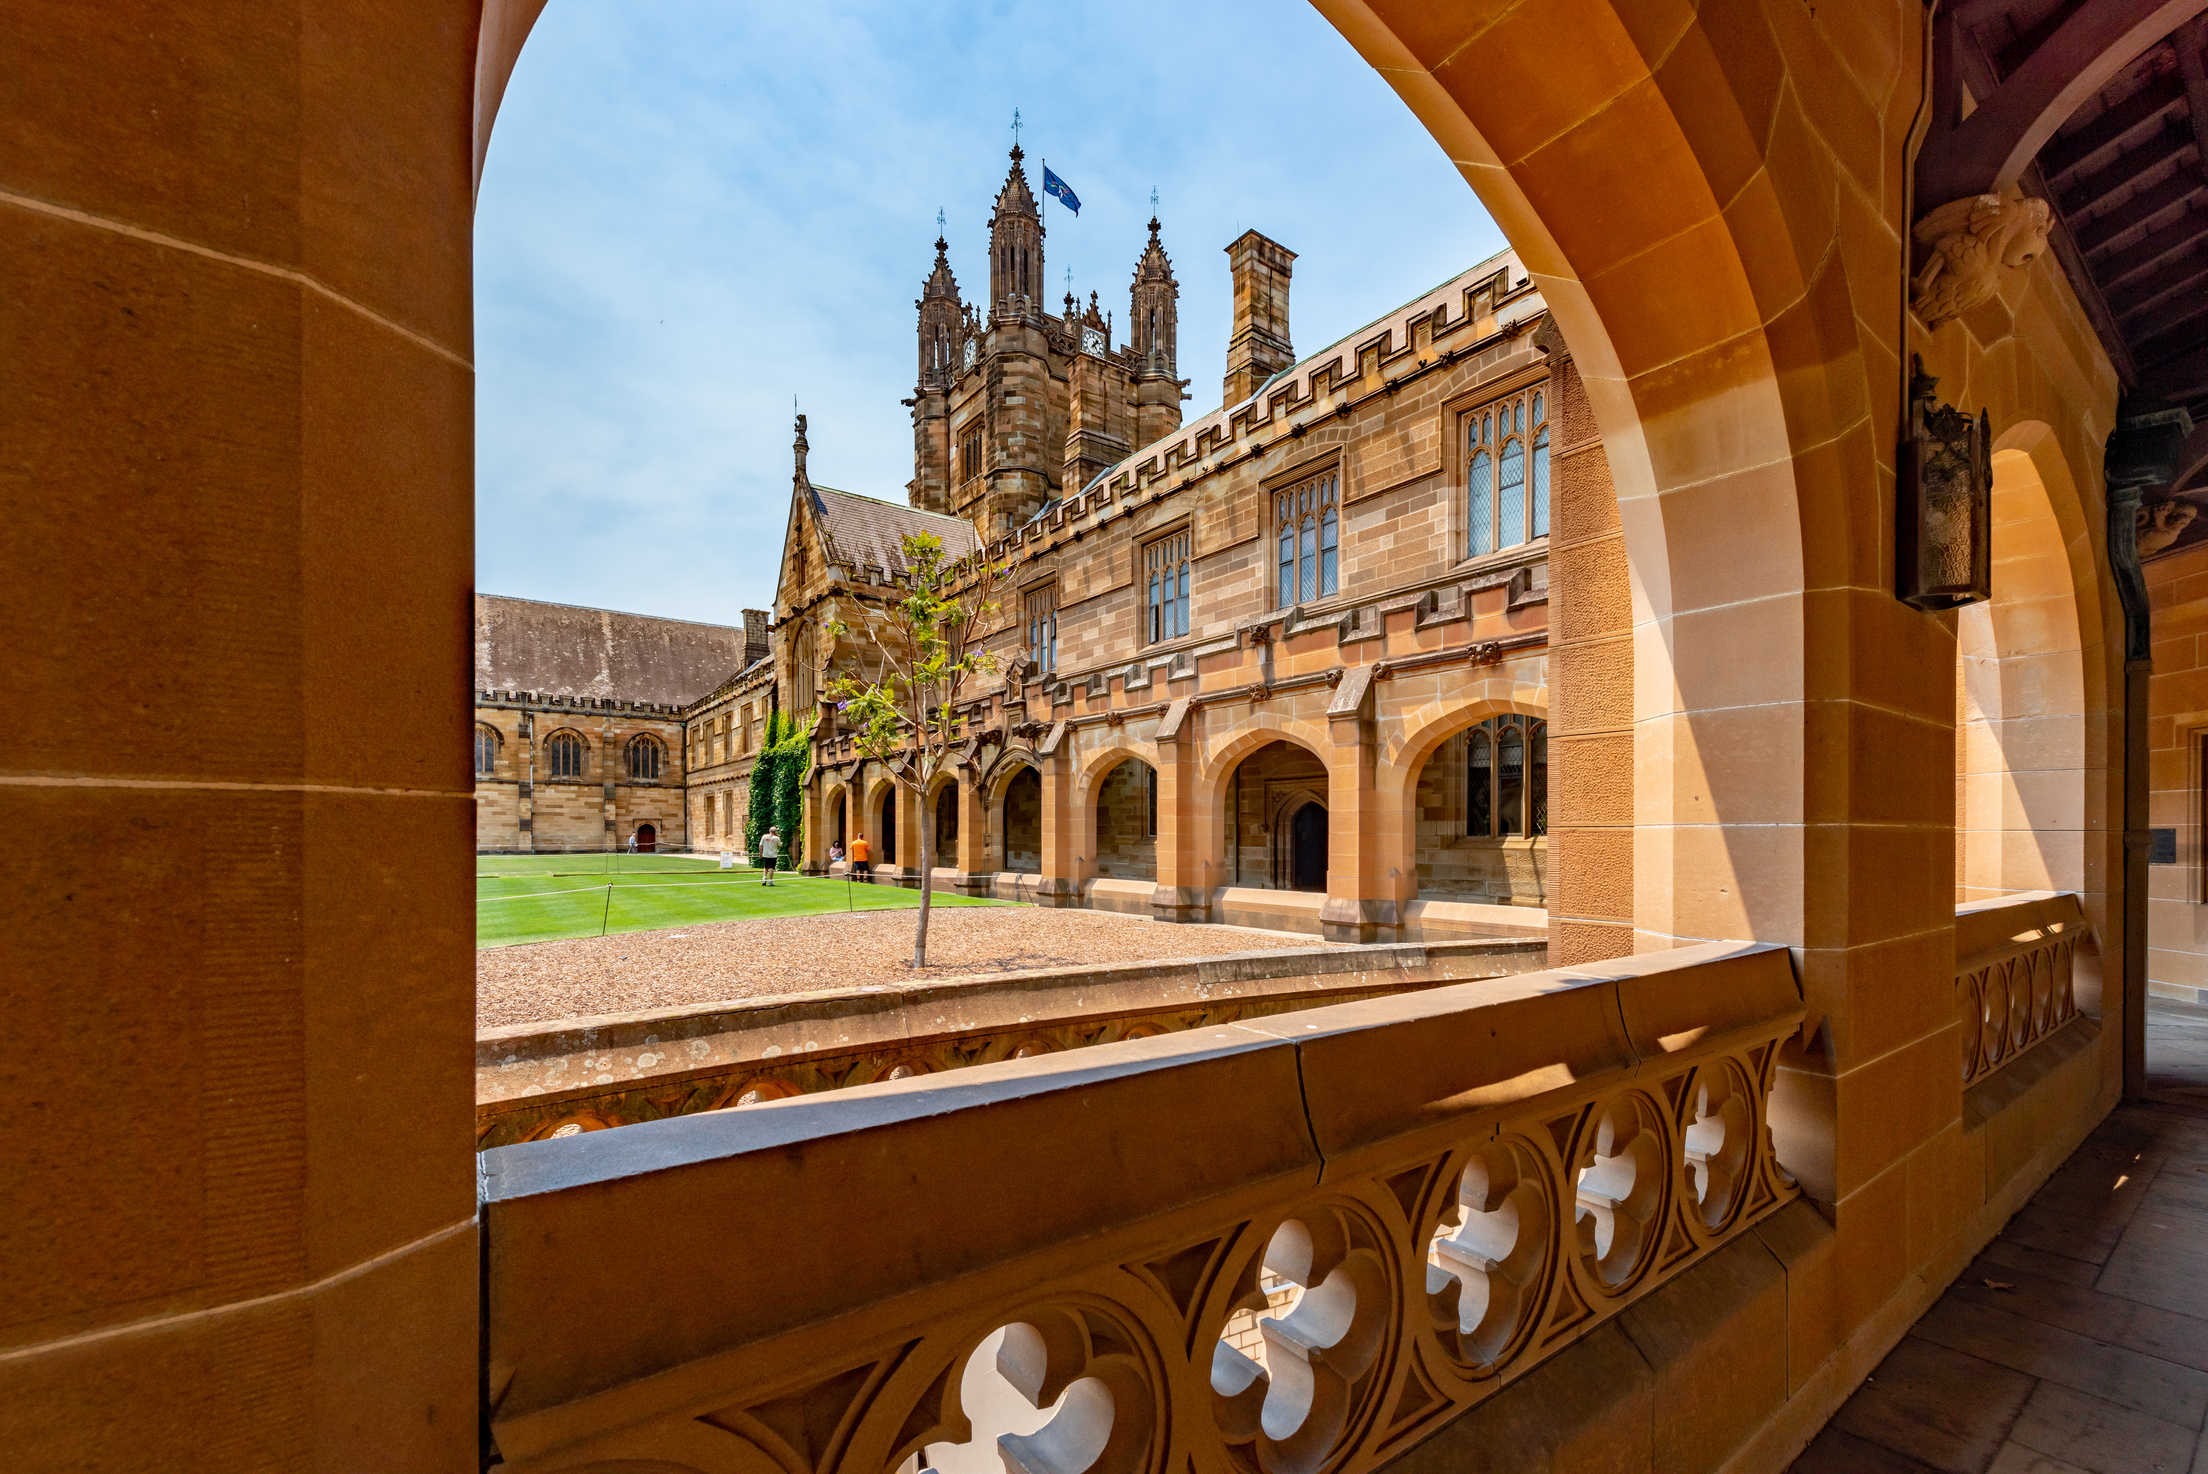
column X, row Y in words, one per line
column 647, row 838
column 1307, row 849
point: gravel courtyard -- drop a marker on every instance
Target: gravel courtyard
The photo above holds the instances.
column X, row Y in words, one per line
column 540, row 981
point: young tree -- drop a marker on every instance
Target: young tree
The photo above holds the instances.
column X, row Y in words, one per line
column 929, row 645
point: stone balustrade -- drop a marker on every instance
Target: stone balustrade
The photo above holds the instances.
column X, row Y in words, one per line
column 2014, row 958
column 1056, row 1264
column 535, row 1080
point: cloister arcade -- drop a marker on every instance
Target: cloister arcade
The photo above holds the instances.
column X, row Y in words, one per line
column 1715, row 202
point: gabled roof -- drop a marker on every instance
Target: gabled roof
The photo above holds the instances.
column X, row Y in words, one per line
column 563, row 650
column 861, row 530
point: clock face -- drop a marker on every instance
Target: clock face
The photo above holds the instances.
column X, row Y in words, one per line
column 970, row 351
column 1092, row 341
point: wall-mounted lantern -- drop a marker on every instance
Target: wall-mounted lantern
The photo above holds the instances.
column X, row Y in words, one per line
column 1943, row 504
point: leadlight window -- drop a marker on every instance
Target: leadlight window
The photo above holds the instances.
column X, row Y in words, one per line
column 969, row 453
column 1507, row 778
column 563, row 755
column 1307, row 517
column 486, row 751
column 1042, row 627
column 1165, row 580
column 1506, row 473
column 644, row 759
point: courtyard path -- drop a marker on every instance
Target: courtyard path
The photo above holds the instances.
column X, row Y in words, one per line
column 540, row 981
column 2079, row 1339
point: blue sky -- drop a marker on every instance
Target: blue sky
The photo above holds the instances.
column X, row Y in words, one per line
column 691, row 212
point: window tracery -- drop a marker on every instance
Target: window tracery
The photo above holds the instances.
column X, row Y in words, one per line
column 563, row 755
column 644, row 758
column 1307, row 522
column 486, row 750
column 1165, row 577
column 1506, row 473
column 1507, row 778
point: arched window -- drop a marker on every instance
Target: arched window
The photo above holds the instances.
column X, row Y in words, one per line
column 1479, row 808
column 1510, row 491
column 1309, row 540
column 563, row 755
column 644, row 758
column 486, row 750
column 1507, row 778
column 1538, row 519
column 1510, row 780
column 1506, row 499
column 1165, row 572
column 1479, row 485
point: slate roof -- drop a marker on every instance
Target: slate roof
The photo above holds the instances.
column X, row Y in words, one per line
column 862, row 530
column 564, row 650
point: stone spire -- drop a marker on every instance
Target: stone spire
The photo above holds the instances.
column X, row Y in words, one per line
column 942, row 321
column 1154, row 322
column 1153, row 330
column 1015, row 244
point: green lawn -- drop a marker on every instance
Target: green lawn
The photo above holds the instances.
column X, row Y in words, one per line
column 542, row 898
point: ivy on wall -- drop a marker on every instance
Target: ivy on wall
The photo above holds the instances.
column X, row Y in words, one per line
column 778, row 787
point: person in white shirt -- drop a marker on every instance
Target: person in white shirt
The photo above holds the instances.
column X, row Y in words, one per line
column 770, row 851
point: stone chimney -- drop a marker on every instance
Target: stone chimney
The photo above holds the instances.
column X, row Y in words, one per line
column 1259, row 348
column 755, row 637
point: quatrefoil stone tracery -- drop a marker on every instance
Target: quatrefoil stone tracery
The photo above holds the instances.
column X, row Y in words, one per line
column 1291, row 1400
column 1488, row 1258
column 1621, row 1191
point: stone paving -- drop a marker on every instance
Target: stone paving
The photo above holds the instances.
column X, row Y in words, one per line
column 2079, row 1339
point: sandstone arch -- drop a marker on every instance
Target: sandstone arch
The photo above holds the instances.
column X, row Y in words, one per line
column 2034, row 693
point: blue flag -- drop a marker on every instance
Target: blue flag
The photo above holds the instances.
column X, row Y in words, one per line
column 1053, row 185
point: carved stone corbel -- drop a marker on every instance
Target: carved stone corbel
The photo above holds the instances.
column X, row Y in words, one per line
column 1967, row 243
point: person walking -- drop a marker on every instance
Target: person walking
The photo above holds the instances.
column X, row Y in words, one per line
column 770, row 850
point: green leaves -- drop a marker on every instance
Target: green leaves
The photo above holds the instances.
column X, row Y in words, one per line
column 778, row 775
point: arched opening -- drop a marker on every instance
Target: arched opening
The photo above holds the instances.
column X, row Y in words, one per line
column 1480, row 814
column 946, row 823
column 885, row 827
column 836, row 821
column 1127, row 822
column 1265, row 795
column 647, row 838
column 1307, row 849
column 2021, row 698
column 1022, row 822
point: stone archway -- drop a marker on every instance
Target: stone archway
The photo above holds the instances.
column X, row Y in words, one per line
column 2021, row 725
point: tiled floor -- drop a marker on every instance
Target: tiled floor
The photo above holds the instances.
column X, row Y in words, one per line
column 2079, row 1339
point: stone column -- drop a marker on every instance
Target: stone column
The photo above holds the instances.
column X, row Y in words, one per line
column 1183, row 888
column 1590, row 890
column 974, row 875
column 1361, row 900
column 241, row 1232
column 907, row 858
column 1059, row 883
column 816, row 840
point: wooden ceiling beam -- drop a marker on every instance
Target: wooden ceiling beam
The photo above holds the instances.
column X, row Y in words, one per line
column 2120, row 267
column 2150, row 105
column 2126, row 169
column 2186, row 271
column 2190, row 67
column 2179, row 189
column 1990, row 149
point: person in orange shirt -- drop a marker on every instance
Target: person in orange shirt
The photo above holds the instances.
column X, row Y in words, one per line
column 858, row 854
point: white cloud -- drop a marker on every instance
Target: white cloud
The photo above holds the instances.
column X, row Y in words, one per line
column 692, row 211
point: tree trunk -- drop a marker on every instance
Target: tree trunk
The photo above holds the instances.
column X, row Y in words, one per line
column 927, row 876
